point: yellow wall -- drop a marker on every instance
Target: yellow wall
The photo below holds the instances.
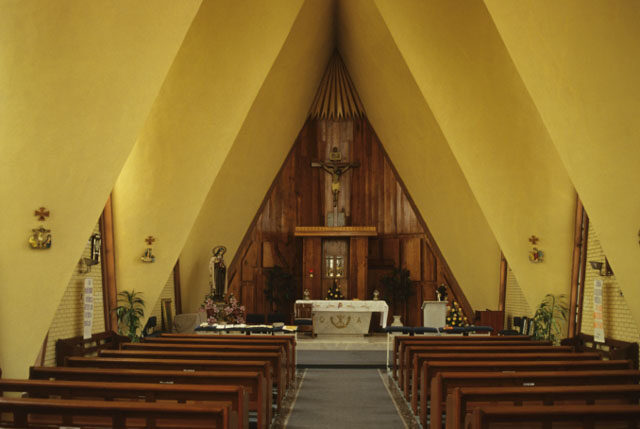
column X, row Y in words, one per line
column 415, row 143
column 493, row 128
column 580, row 61
column 216, row 76
column 77, row 81
column 268, row 132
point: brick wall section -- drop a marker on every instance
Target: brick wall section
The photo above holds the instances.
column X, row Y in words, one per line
column 67, row 321
column 618, row 321
column 167, row 292
column 515, row 303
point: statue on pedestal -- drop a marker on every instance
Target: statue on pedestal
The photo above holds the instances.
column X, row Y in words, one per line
column 217, row 272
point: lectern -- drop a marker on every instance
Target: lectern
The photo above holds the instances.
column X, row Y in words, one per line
column 434, row 313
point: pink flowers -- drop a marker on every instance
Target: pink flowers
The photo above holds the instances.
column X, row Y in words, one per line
column 223, row 312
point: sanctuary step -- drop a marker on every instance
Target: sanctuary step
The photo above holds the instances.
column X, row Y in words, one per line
column 342, row 351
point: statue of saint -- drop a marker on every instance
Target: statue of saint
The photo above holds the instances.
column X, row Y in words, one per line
column 217, row 271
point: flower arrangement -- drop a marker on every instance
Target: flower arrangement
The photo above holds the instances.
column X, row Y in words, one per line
column 228, row 311
column 334, row 291
column 455, row 318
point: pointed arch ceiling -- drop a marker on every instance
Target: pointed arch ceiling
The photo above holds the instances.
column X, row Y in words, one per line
column 415, row 143
column 468, row 79
column 221, row 127
column 580, row 61
column 78, row 79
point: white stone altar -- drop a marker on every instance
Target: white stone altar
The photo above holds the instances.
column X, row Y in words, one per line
column 345, row 317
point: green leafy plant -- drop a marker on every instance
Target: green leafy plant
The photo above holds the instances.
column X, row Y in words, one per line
column 130, row 313
column 280, row 287
column 551, row 318
column 397, row 286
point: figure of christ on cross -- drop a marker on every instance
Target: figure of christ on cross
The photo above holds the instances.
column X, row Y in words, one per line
column 336, row 169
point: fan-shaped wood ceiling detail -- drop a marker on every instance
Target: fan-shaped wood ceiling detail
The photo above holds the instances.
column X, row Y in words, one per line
column 337, row 97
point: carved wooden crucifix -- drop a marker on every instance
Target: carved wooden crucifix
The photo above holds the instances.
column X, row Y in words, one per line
column 336, row 168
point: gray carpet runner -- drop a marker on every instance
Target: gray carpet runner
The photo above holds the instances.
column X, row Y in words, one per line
column 343, row 398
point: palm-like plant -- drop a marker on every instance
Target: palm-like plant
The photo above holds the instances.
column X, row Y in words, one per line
column 551, row 318
column 397, row 286
column 129, row 313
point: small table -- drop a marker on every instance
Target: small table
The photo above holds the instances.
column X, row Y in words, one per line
column 345, row 317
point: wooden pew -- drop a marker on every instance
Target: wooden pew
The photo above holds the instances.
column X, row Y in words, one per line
column 122, row 414
column 462, row 400
column 288, row 341
column 234, row 395
column 420, row 358
column 252, row 381
column 408, row 347
column 276, row 360
column 249, row 348
column 80, row 346
column 185, row 365
column 400, row 339
column 403, row 360
column 582, row 416
column 501, row 348
column 527, row 374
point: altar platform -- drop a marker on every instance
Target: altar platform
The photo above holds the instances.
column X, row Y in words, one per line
column 342, row 351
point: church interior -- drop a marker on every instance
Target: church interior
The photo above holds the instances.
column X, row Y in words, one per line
column 265, row 153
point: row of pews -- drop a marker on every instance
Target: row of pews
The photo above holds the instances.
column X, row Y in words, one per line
column 171, row 381
column 513, row 381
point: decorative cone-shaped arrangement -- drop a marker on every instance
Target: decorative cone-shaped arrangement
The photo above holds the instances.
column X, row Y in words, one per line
column 334, row 291
column 455, row 318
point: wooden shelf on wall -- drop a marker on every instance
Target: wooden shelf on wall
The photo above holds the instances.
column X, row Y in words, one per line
column 335, row 231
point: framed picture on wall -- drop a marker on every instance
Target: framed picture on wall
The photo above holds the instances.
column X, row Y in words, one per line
column 167, row 314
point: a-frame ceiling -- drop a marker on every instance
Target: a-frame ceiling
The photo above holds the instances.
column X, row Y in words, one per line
column 503, row 105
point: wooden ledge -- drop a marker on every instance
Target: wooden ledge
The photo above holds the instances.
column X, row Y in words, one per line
column 335, row 231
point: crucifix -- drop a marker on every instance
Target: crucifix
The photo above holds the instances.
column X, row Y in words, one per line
column 336, row 168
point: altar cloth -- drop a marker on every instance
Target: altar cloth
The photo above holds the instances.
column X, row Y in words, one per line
column 342, row 316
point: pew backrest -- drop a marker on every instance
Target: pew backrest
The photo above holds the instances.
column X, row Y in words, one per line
column 23, row 410
column 583, row 415
column 236, row 395
column 461, row 400
column 420, row 358
column 253, row 382
column 446, row 381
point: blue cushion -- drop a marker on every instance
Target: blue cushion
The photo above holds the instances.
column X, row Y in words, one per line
column 402, row 329
column 479, row 329
column 454, row 330
column 509, row 332
column 425, row 329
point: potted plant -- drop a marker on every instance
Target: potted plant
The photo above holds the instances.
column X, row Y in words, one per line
column 550, row 318
column 280, row 289
column 397, row 288
column 129, row 313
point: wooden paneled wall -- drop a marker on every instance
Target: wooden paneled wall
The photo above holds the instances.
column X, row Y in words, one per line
column 371, row 195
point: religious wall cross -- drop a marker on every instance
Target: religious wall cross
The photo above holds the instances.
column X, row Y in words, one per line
column 336, row 168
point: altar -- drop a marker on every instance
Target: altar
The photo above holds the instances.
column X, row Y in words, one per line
column 345, row 316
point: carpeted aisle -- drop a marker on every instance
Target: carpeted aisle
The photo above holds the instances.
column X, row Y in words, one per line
column 343, row 398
